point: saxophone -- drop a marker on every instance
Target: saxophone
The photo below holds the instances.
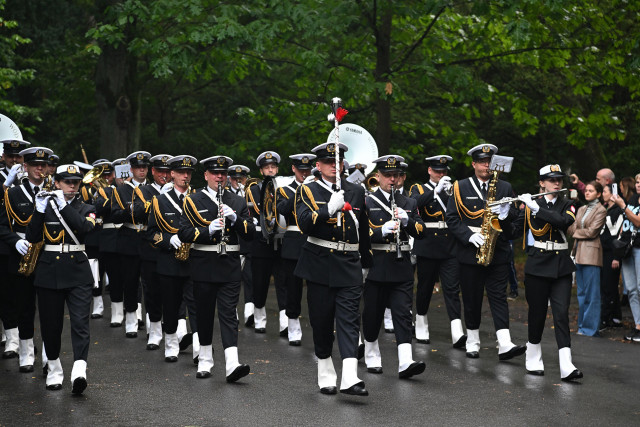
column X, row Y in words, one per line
column 27, row 264
column 182, row 253
column 490, row 226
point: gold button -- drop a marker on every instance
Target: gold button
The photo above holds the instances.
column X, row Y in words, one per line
column 333, row 238
column 435, row 234
column 335, row 226
column 330, row 250
column 71, row 256
column 57, row 257
column 557, row 252
column 349, row 228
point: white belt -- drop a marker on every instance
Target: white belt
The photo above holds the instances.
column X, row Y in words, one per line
column 99, row 221
column 475, row 229
column 139, row 227
column 293, row 228
column 63, row 248
column 214, row 248
column 551, row 246
column 258, row 228
column 404, row 246
column 341, row 246
column 439, row 225
column 107, row 225
column 22, row 235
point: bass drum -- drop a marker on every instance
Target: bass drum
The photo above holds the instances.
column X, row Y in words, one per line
column 362, row 146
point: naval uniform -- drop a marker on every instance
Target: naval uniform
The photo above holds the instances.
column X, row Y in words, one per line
column 92, row 241
column 247, row 283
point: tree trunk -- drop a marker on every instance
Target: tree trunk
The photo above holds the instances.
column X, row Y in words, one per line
column 383, row 68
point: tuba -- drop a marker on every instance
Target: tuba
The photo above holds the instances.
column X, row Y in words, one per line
column 94, row 177
column 27, row 264
column 268, row 212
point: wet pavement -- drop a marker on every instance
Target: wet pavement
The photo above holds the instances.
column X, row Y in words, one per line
column 129, row 385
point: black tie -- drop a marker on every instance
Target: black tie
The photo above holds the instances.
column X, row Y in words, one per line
column 36, row 189
column 181, row 198
column 484, row 190
column 334, row 187
column 550, row 205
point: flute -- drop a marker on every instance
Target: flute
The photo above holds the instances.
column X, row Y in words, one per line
column 533, row 196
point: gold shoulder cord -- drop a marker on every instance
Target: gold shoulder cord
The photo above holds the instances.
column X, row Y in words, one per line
column 117, row 197
column 418, row 186
column 461, row 207
column 162, row 223
column 51, row 238
column 193, row 214
column 421, row 191
column 104, row 195
column 313, row 206
column 11, row 214
column 249, row 194
column 535, row 231
column 284, row 193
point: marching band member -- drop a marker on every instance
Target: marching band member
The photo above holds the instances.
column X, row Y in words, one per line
column 331, row 262
column 435, row 254
column 392, row 219
column 292, row 243
column 13, row 161
column 212, row 219
column 548, row 271
column 63, row 274
column 464, row 218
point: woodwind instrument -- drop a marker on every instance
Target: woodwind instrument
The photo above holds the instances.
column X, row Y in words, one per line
column 223, row 237
column 396, row 233
column 27, row 264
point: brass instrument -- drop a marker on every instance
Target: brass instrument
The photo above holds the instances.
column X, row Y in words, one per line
column 371, row 183
column 397, row 221
column 27, row 264
column 182, row 253
column 223, row 237
column 268, row 214
column 94, row 177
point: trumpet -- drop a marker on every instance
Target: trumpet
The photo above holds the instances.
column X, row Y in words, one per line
column 533, row 196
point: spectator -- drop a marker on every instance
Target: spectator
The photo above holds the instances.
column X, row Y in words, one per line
column 603, row 177
column 627, row 187
column 610, row 275
column 588, row 256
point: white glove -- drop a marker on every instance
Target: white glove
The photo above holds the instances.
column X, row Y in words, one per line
column 447, row 186
column 402, row 214
column 388, row 227
column 255, row 221
column 229, row 213
column 168, row 186
column 336, row 202
column 13, row 172
column 365, row 273
column 444, row 182
column 59, row 196
column 531, row 204
column 502, row 210
column 476, row 240
column 22, row 246
column 309, row 179
column 41, row 201
column 216, row 225
column 175, row 241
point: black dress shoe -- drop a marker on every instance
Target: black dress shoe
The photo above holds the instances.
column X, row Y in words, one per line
column 473, row 354
column 538, row 373
column 203, row 374
column 171, row 359
column 96, row 316
column 360, row 353
column 389, row 331
column 152, row 346
column 376, row 370
column 26, row 368
column 284, row 333
column 329, row 390
column 239, row 372
column 576, row 374
column 131, row 334
column 423, row 341
column 260, row 330
column 295, row 343
column 45, row 370
column 356, row 390
column 461, row 342
column 79, row 385
column 115, row 324
column 54, row 387
column 518, row 350
column 186, row 341
column 250, row 322
column 9, row 355
column 416, row 368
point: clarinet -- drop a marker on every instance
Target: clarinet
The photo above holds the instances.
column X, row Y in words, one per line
column 397, row 221
column 223, row 237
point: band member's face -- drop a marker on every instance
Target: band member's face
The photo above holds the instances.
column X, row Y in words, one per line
column 436, row 174
column 327, row 168
column 139, row 172
column 68, row 187
column 301, row 174
column 481, row 168
column 35, row 171
column 161, row 176
column 590, row 193
column 51, row 169
column 401, row 179
column 109, row 177
column 387, row 179
column 551, row 184
column 235, row 183
column 270, row 169
column 215, row 177
column 11, row 159
column 181, row 178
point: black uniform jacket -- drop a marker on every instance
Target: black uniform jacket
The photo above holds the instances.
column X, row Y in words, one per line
column 285, row 205
column 465, row 209
column 198, row 211
column 15, row 215
column 547, row 225
column 245, row 246
column 327, row 266
column 142, row 197
column 164, row 220
column 108, row 237
column 260, row 247
column 121, row 213
column 87, row 195
column 55, row 270
column 438, row 243
column 386, row 266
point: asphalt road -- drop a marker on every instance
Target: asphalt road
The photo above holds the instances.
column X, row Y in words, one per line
column 129, row 385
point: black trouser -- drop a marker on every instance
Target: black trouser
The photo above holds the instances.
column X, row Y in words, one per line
column 7, row 301
column 376, row 297
column 609, row 280
column 51, row 310
column 114, row 271
column 539, row 291
column 23, row 310
column 341, row 306
column 151, row 290
column 293, row 286
column 247, row 282
column 130, row 268
column 474, row 279
column 172, row 288
column 261, row 270
column 188, row 304
column 428, row 272
column 225, row 296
